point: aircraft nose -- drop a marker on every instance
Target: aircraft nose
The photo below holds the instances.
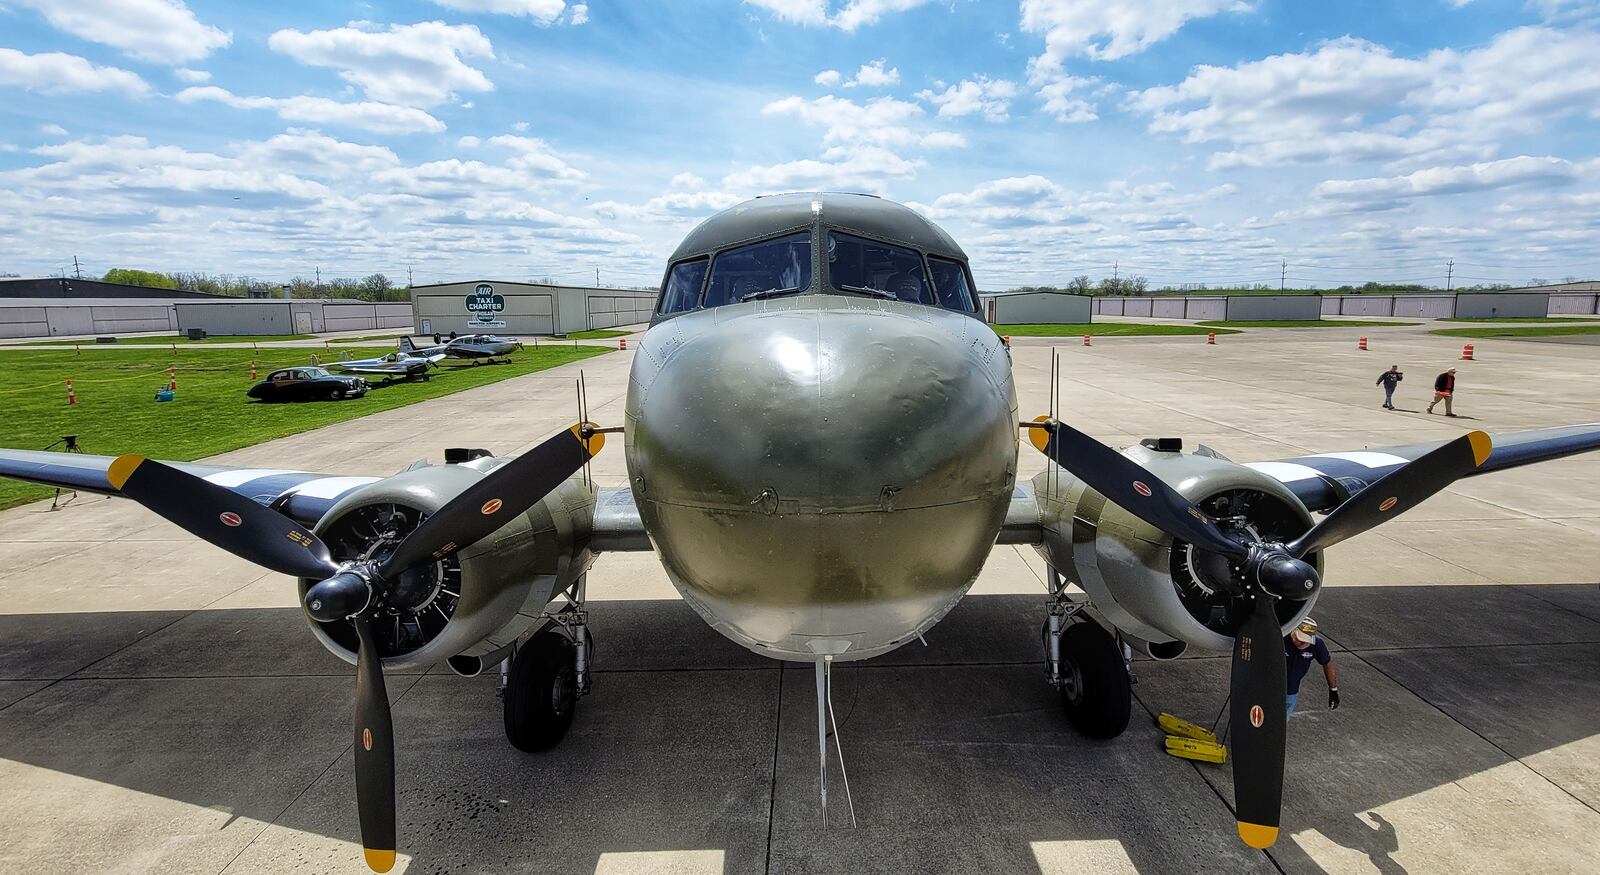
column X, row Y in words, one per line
column 825, row 471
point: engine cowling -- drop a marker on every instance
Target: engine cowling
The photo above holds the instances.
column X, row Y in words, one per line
column 477, row 601
column 1155, row 588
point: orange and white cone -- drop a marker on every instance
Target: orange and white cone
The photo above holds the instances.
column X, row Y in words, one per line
column 72, row 397
column 1362, row 344
column 1211, row 337
column 1466, row 352
column 172, row 376
column 622, row 343
column 1086, row 341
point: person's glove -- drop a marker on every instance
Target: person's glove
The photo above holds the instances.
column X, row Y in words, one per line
column 1333, row 699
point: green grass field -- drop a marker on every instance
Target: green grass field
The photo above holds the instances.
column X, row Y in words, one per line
column 1301, row 323
column 1544, row 319
column 597, row 334
column 1519, row 331
column 1100, row 329
column 116, row 411
column 169, row 339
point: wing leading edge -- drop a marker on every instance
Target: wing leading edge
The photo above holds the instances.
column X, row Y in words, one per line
column 301, row 495
column 1325, row 480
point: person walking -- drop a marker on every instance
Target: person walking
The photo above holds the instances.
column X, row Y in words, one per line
column 1444, row 386
column 1302, row 646
column 1388, row 380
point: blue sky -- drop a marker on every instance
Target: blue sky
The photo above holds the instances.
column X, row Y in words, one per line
column 1190, row 141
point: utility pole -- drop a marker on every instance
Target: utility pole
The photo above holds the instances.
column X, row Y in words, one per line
column 319, row 279
column 409, row 282
column 597, row 276
column 1449, row 273
column 77, row 269
column 1283, row 274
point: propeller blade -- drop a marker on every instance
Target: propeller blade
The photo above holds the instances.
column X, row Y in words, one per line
column 223, row 517
column 495, row 500
column 374, row 753
column 1257, row 721
column 1396, row 492
column 1134, row 489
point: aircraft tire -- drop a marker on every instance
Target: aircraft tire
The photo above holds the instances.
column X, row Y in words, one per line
column 1100, row 703
column 541, row 693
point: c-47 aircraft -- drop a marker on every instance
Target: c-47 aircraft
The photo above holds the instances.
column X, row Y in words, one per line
column 822, row 442
column 467, row 346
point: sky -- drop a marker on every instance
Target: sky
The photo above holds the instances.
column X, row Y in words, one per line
column 1187, row 141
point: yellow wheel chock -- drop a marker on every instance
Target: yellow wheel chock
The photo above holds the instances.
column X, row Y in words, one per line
column 1191, row 742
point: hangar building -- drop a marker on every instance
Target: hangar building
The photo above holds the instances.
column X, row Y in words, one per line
column 512, row 308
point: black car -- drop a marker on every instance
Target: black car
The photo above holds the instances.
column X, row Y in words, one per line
column 307, row 384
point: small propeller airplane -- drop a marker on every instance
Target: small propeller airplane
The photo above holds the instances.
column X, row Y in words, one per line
column 822, row 439
column 394, row 366
column 480, row 348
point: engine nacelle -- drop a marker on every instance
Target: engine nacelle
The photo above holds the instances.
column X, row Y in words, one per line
column 481, row 599
column 1143, row 581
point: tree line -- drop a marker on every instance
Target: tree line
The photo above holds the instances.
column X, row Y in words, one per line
column 1138, row 285
column 374, row 287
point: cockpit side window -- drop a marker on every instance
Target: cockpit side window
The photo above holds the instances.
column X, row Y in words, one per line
column 761, row 270
column 682, row 289
column 950, row 282
column 856, row 264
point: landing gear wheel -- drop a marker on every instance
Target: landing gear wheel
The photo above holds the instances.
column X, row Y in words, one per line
column 541, row 693
column 1097, row 694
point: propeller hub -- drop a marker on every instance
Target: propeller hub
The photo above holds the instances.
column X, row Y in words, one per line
column 1282, row 575
column 345, row 594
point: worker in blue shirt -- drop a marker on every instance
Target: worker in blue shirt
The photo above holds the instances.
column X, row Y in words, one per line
column 1301, row 647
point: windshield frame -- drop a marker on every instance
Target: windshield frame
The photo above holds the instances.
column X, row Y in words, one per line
column 809, row 232
column 880, row 294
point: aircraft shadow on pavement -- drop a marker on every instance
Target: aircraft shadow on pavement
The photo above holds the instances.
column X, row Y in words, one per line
column 959, row 755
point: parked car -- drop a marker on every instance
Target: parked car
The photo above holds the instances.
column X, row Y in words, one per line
column 307, row 384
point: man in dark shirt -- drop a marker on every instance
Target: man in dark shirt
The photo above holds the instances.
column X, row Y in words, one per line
column 1300, row 648
column 1388, row 380
column 1444, row 386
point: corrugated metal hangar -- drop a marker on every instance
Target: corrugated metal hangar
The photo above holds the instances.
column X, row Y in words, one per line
column 512, row 308
column 238, row 316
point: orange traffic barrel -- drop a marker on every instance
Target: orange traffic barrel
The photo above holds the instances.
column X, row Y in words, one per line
column 1362, row 344
column 1466, row 352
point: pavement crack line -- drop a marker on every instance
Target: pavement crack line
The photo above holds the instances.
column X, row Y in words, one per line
column 772, row 788
column 312, row 783
column 1486, row 740
column 93, row 662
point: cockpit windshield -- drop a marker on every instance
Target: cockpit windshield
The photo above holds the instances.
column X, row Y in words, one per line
column 871, row 267
column 761, row 270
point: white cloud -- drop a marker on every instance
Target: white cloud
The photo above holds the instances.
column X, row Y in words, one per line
column 1353, row 100
column 1104, row 31
column 57, row 73
column 872, row 75
column 367, row 115
column 687, row 181
column 535, row 157
column 827, row 78
column 159, row 31
column 131, row 167
column 861, row 168
column 303, row 150
column 880, row 120
column 194, row 77
column 1524, row 171
column 53, row 130
column 520, row 127
column 848, row 16
column 579, row 15
column 411, row 64
column 541, row 11
column 992, row 97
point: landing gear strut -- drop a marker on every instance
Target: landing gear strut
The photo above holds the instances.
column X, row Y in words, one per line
column 1088, row 665
column 542, row 682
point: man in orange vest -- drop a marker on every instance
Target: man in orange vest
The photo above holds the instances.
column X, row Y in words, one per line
column 1444, row 386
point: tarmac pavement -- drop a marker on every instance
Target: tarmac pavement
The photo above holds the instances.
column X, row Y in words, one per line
column 164, row 709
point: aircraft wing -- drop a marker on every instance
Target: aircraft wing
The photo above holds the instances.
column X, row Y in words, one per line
column 301, row 495
column 374, row 367
column 1325, row 480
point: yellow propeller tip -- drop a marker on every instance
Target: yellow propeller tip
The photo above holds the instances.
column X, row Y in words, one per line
column 1257, row 836
column 1481, row 446
column 591, row 444
column 1038, row 436
column 379, row 861
column 122, row 467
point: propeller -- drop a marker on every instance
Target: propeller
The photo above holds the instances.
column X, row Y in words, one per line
column 1262, row 571
column 355, row 590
